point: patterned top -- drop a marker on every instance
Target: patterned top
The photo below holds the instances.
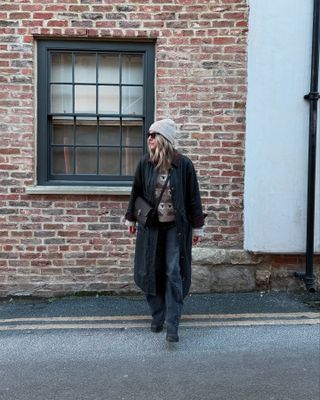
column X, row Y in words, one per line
column 165, row 210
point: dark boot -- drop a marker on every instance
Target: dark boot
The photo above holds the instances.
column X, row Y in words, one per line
column 156, row 327
column 172, row 335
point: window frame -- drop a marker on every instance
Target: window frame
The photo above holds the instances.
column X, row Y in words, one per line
column 45, row 47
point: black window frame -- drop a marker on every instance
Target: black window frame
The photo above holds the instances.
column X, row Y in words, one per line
column 45, row 48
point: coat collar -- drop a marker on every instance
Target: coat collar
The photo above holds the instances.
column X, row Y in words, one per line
column 176, row 159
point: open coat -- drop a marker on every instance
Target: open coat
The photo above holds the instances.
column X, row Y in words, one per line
column 188, row 212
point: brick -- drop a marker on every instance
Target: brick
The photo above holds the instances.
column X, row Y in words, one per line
column 234, row 15
column 42, row 16
column 31, row 7
column 56, row 7
column 55, row 23
column 78, row 9
column 102, row 8
column 19, row 15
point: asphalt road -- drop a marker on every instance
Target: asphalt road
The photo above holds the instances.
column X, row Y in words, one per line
column 245, row 346
column 223, row 303
column 243, row 363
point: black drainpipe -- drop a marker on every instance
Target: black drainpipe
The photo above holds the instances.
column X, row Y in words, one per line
column 313, row 97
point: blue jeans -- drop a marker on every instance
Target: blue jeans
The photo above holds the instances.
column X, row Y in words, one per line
column 168, row 302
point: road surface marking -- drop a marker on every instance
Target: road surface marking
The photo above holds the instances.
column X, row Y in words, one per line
column 308, row 315
column 144, row 325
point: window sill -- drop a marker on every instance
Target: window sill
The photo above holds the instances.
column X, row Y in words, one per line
column 86, row 190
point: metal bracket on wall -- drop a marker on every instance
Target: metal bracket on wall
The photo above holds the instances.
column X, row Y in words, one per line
column 312, row 96
column 308, row 280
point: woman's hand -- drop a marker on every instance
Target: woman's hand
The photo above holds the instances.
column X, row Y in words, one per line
column 196, row 239
column 132, row 229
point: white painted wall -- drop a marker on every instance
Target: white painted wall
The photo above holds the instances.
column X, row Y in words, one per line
column 280, row 38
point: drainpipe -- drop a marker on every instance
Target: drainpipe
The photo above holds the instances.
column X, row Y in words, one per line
column 313, row 97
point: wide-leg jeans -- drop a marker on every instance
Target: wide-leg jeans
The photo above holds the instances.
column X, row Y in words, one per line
column 167, row 304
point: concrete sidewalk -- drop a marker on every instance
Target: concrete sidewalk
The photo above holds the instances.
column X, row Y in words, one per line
column 121, row 305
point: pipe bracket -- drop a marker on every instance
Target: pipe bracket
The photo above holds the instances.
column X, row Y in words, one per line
column 312, row 96
column 309, row 281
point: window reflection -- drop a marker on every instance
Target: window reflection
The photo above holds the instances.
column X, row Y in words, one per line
column 62, row 159
column 109, row 131
column 132, row 69
column 86, row 131
column 85, row 68
column 86, row 160
column 61, row 67
column 132, row 100
column 62, row 130
column 109, row 71
column 109, row 99
column 61, row 99
column 130, row 158
column 132, row 135
column 85, row 99
column 109, row 161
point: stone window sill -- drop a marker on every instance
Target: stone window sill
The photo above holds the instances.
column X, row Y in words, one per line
column 81, row 190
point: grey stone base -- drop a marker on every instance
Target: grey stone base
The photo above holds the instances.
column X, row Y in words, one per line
column 213, row 271
column 233, row 270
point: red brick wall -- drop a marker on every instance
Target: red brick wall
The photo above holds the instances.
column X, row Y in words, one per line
column 62, row 243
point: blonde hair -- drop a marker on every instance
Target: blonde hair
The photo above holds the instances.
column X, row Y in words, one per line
column 163, row 154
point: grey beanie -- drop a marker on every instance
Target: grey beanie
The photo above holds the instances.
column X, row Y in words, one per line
column 166, row 127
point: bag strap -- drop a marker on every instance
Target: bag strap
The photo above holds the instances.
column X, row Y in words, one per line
column 162, row 191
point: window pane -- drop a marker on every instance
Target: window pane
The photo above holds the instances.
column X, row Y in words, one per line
column 85, row 68
column 86, row 131
column 61, row 67
column 132, row 100
column 132, row 69
column 61, row 98
column 62, row 160
column 109, row 131
column 130, row 159
column 109, row 162
column 85, row 99
column 62, row 130
column 109, row 100
column 109, row 71
column 132, row 135
column 86, row 160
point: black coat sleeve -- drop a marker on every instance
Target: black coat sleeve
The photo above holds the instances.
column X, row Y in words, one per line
column 194, row 207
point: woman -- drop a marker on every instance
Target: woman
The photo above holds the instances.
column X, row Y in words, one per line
column 162, row 267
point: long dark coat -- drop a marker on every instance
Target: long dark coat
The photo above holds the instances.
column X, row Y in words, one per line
column 188, row 212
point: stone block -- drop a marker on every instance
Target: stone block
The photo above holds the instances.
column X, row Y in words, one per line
column 263, row 277
column 232, row 279
column 209, row 256
column 200, row 279
column 242, row 257
column 284, row 279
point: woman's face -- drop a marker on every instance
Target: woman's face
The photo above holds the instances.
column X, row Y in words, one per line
column 152, row 141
